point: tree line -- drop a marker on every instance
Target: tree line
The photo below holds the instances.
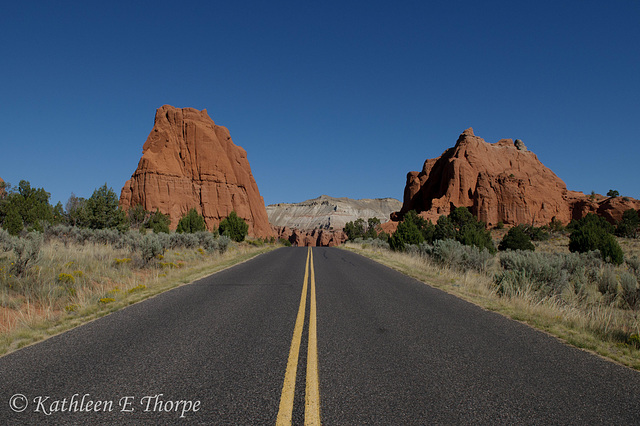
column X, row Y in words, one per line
column 24, row 208
column 587, row 234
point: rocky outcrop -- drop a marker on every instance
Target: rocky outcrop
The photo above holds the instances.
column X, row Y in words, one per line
column 610, row 208
column 311, row 238
column 329, row 213
column 500, row 182
column 190, row 162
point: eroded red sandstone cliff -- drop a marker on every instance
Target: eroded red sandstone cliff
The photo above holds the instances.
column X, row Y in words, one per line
column 503, row 182
column 311, row 238
column 190, row 162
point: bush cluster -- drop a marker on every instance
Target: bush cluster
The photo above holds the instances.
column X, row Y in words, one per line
column 372, row 242
column 547, row 273
column 593, row 232
column 157, row 222
column 516, row 239
column 191, row 223
column 234, row 227
column 456, row 255
column 459, row 225
column 361, row 229
column 27, row 252
column 149, row 245
column 628, row 226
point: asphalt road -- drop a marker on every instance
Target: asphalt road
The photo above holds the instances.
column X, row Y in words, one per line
column 390, row 351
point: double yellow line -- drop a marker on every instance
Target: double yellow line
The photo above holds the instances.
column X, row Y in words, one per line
column 312, row 390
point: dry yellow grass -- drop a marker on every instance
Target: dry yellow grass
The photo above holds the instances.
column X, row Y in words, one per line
column 72, row 284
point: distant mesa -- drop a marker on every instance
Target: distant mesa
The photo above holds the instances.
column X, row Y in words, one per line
column 327, row 212
column 499, row 182
column 320, row 221
column 190, row 162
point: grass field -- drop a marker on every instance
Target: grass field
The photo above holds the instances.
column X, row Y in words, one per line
column 71, row 284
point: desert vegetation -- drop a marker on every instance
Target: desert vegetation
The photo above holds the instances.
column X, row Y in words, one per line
column 62, row 267
column 580, row 283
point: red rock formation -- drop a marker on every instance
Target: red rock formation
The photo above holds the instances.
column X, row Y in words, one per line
column 389, row 227
column 311, row 238
column 190, row 162
column 609, row 208
column 498, row 182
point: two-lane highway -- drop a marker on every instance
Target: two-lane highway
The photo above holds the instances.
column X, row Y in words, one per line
column 386, row 349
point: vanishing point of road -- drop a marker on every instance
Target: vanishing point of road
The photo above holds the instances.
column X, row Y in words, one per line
column 303, row 335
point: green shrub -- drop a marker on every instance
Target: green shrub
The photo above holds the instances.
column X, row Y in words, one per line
column 611, row 250
column 536, row 233
column 183, row 240
column 552, row 273
column 150, row 248
column 27, row 252
column 137, row 216
column 516, row 239
column 207, row 240
column 354, row 229
column 456, row 255
column 102, row 210
column 607, row 283
column 594, row 233
column 628, row 226
column 445, row 229
column 13, row 221
column 25, row 207
column 476, row 235
column 223, row 243
column 613, row 193
column 413, row 230
column 234, row 227
column 362, row 229
column 191, row 223
column 462, row 226
column 406, row 233
column 373, row 226
column 634, row 265
column 630, row 292
column 6, row 242
column 556, row 225
column 159, row 222
column 285, row 242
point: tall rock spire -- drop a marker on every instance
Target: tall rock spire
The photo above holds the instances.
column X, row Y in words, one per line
column 190, row 162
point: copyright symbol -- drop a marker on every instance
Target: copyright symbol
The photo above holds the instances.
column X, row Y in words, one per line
column 18, row 403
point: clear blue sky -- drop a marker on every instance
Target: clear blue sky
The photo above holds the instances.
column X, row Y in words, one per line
column 334, row 97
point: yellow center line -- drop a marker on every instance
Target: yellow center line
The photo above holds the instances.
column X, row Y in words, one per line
column 312, row 390
column 285, row 411
column 312, row 394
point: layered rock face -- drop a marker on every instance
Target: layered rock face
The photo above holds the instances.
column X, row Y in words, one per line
column 190, row 162
column 327, row 212
column 609, row 208
column 320, row 221
column 503, row 181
